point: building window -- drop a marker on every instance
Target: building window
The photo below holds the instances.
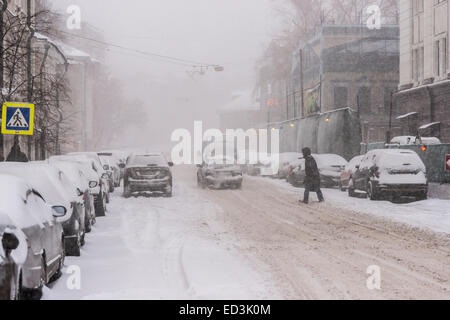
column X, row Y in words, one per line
column 440, row 58
column 418, row 64
column 364, row 100
column 340, row 97
column 418, row 6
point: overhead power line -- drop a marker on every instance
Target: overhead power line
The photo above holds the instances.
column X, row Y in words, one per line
column 146, row 53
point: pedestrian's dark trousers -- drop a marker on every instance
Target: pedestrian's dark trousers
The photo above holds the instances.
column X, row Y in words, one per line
column 318, row 191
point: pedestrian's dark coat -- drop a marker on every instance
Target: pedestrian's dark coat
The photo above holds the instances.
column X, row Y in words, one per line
column 16, row 155
column 312, row 175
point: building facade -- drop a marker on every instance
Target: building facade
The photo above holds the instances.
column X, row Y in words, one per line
column 424, row 90
column 349, row 66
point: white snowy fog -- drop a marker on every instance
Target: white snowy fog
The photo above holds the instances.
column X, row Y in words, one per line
column 231, row 34
column 335, row 183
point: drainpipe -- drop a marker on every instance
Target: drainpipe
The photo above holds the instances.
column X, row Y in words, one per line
column 41, row 95
column 2, row 12
column 29, row 72
column 432, row 111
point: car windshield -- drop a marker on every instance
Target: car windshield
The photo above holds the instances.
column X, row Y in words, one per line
column 147, row 160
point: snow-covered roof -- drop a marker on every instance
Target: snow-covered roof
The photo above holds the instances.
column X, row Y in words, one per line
column 403, row 116
column 407, row 140
column 68, row 51
column 241, row 101
column 426, row 126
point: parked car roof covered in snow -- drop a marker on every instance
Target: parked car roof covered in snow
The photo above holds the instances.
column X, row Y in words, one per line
column 392, row 158
column 408, row 140
column 50, row 182
column 74, row 171
column 326, row 160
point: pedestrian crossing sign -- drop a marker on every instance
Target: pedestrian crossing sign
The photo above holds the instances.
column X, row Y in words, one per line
column 17, row 118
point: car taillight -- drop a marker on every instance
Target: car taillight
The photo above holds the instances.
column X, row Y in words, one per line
column 84, row 196
column 28, row 244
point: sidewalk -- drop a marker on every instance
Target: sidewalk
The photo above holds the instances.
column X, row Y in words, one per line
column 439, row 191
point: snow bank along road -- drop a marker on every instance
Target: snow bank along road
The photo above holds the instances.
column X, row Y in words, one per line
column 255, row 243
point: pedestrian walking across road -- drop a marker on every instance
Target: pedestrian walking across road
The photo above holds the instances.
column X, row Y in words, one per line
column 312, row 176
column 16, row 155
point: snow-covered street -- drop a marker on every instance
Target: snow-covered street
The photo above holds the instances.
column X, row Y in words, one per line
column 259, row 243
column 159, row 248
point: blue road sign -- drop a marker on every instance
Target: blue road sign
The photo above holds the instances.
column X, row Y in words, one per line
column 17, row 118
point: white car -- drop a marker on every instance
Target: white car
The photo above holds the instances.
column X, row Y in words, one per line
column 390, row 172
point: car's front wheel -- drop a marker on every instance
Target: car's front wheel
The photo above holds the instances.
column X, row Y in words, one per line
column 126, row 191
column 372, row 191
column 341, row 187
column 351, row 188
column 100, row 206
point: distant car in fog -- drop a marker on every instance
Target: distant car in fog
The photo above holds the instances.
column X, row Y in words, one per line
column 147, row 173
column 219, row 172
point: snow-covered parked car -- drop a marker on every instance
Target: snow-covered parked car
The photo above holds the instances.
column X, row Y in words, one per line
column 75, row 172
column 120, row 158
column 56, row 188
column 219, row 172
column 390, row 172
column 330, row 168
column 113, row 170
column 98, row 167
column 39, row 256
column 93, row 161
column 350, row 168
column 147, row 173
column 13, row 248
column 288, row 161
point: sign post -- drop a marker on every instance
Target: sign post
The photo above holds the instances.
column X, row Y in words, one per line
column 18, row 118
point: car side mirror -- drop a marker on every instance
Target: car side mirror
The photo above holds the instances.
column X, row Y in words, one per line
column 122, row 165
column 59, row 211
column 80, row 193
column 170, row 163
column 93, row 184
column 357, row 166
column 9, row 241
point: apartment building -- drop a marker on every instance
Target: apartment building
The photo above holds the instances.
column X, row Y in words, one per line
column 349, row 66
column 424, row 90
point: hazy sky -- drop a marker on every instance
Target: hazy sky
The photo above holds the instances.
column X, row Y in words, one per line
column 231, row 33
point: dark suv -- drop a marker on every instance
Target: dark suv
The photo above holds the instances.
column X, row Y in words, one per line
column 147, row 173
